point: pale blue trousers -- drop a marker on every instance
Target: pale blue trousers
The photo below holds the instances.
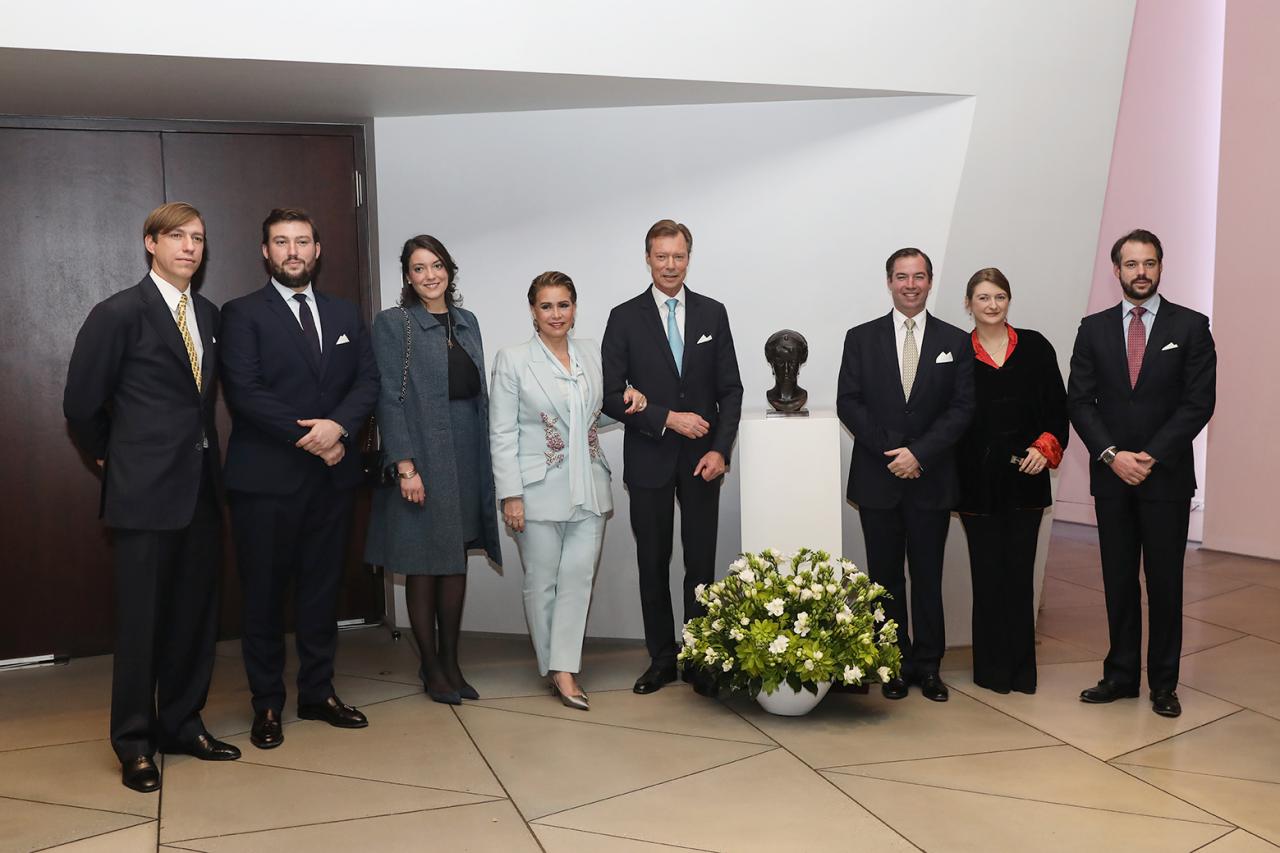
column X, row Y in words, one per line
column 559, row 560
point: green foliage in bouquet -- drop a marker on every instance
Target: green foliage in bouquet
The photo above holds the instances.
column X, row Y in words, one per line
column 800, row 618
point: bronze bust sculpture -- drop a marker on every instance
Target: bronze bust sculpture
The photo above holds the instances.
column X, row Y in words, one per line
column 786, row 350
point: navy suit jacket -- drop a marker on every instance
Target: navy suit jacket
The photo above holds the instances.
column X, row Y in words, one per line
column 1171, row 402
column 635, row 351
column 271, row 381
column 870, row 402
column 132, row 401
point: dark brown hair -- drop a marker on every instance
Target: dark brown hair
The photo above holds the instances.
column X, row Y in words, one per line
column 908, row 252
column 166, row 217
column 435, row 247
column 1137, row 235
column 288, row 214
column 990, row 274
column 551, row 278
column 668, row 228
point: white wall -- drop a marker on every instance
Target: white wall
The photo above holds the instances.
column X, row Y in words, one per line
column 790, row 230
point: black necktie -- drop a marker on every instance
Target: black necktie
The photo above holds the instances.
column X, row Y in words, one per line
column 308, row 325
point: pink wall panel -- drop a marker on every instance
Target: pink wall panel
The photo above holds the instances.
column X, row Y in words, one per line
column 1244, row 466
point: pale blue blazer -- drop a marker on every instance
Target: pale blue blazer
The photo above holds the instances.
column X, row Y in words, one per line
column 529, row 429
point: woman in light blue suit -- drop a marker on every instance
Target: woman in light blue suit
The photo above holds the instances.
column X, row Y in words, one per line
column 551, row 476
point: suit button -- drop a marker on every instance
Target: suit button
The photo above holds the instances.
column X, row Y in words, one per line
column 908, row 411
column 681, row 395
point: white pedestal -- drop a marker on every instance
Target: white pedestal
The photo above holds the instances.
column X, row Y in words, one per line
column 789, row 475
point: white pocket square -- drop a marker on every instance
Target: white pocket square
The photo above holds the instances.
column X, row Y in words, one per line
column 944, row 358
column 212, row 339
column 342, row 340
column 1168, row 346
column 704, row 339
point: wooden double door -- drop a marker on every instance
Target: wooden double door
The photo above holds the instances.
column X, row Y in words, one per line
column 73, row 197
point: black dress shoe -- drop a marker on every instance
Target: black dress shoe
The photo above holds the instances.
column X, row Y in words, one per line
column 206, row 748
column 335, row 713
column 267, row 733
column 1108, row 691
column 932, row 687
column 655, row 677
column 466, row 691
column 140, row 774
column 444, row 697
column 894, row 688
column 1165, row 703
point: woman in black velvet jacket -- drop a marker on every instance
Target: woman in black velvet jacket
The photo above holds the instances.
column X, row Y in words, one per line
column 1018, row 433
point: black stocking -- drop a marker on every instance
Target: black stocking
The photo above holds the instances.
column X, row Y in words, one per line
column 450, row 595
column 421, row 597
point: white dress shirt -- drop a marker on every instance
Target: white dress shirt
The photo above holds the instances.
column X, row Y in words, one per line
column 661, row 298
column 1148, row 319
column 287, row 295
column 171, row 297
column 900, row 332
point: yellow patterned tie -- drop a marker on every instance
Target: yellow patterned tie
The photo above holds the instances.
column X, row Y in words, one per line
column 910, row 358
column 186, row 339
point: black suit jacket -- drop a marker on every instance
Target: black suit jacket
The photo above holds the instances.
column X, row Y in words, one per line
column 635, row 351
column 1171, row 402
column 131, row 400
column 271, row 381
column 869, row 400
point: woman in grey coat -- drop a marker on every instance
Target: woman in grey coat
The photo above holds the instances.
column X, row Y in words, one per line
column 433, row 417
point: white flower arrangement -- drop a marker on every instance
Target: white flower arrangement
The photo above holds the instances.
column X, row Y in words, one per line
column 801, row 618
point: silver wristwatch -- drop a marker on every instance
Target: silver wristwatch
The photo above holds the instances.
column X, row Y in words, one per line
column 1107, row 456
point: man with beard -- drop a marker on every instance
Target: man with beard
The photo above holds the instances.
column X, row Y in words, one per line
column 1142, row 387
column 300, row 380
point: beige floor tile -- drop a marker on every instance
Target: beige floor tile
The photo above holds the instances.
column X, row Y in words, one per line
column 26, row 825
column 674, row 710
column 504, row 666
column 1199, row 584
column 1060, row 593
column 1104, row 731
column 768, row 802
column 1086, row 627
column 410, row 741
column 558, row 840
column 1054, row 774
column 135, row 839
column 1051, row 650
column 1082, row 572
column 1249, row 805
column 1243, row 746
column 204, row 798
column 1246, row 672
column 850, row 729
column 1251, row 569
column 548, row 764
column 42, row 773
column 1239, row 842
column 82, row 712
column 485, row 828
column 1253, row 610
column 961, row 821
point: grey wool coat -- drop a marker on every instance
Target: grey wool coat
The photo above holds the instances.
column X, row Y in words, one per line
column 405, row 537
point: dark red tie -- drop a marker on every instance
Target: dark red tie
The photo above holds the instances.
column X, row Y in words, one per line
column 1137, row 344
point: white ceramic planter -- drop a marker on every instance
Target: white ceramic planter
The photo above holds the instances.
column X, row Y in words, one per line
column 789, row 703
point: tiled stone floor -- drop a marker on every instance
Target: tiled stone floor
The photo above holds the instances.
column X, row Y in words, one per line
column 673, row 771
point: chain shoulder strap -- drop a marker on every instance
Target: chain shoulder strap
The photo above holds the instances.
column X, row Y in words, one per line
column 408, row 344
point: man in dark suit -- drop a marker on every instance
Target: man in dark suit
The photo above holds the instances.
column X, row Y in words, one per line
column 1142, row 386
column 906, row 393
column 675, row 346
column 300, row 380
column 139, row 401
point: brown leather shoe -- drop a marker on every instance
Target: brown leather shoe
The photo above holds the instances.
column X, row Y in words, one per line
column 267, row 733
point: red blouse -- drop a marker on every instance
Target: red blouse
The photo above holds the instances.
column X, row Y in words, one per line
column 1047, row 443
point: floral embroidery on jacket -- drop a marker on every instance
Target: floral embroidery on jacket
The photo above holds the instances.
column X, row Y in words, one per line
column 555, row 442
column 593, row 438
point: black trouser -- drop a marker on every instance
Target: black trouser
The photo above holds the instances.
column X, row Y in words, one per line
column 1002, row 558
column 895, row 537
column 166, row 584
column 1153, row 533
column 653, row 523
column 303, row 537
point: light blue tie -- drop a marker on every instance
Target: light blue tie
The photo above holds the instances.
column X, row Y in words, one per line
column 673, row 335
